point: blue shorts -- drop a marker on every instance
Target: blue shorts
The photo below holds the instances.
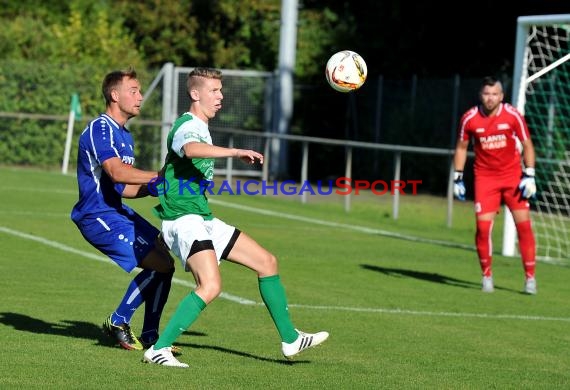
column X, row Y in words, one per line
column 126, row 239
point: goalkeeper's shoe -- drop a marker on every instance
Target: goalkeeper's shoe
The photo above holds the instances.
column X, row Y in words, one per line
column 487, row 284
column 304, row 341
column 122, row 334
column 176, row 351
column 163, row 357
column 530, row 286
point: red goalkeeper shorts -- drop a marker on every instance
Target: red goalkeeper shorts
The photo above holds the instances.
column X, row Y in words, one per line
column 492, row 191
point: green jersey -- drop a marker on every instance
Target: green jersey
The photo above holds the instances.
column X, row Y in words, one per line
column 182, row 192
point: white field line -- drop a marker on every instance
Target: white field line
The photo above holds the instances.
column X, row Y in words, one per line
column 39, row 190
column 245, row 301
column 35, row 213
column 361, row 229
column 356, row 228
column 104, row 259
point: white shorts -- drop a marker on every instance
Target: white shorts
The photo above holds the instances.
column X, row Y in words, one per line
column 180, row 234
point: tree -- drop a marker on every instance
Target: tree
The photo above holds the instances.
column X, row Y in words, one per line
column 46, row 54
column 231, row 34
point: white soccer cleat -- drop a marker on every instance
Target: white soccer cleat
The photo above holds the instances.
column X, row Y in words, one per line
column 162, row 356
column 487, row 284
column 303, row 342
column 530, row 286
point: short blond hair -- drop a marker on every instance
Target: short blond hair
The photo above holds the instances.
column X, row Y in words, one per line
column 197, row 75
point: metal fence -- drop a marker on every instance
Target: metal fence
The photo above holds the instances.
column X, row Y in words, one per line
column 303, row 148
column 391, row 129
column 350, row 149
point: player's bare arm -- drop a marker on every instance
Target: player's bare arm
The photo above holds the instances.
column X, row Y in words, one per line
column 460, row 156
column 529, row 156
column 120, row 172
column 202, row 150
column 133, row 191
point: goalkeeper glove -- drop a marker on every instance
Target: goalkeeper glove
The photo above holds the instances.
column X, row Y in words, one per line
column 459, row 186
column 527, row 185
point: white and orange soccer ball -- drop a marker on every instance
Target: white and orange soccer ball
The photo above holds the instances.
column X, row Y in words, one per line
column 346, row 71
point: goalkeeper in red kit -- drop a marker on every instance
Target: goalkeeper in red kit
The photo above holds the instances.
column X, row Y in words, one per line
column 494, row 127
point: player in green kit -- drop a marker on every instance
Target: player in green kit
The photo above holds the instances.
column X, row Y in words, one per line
column 201, row 240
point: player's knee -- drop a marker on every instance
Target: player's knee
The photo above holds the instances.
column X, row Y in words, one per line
column 269, row 264
column 524, row 230
column 483, row 229
column 210, row 289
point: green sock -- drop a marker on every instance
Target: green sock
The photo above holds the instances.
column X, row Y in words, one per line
column 186, row 313
column 273, row 295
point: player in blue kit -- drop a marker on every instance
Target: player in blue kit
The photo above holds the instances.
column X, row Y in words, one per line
column 105, row 175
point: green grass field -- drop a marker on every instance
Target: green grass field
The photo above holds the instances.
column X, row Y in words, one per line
column 401, row 300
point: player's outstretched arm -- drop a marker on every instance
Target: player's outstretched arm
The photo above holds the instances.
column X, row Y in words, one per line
column 249, row 156
column 120, row 172
column 202, row 150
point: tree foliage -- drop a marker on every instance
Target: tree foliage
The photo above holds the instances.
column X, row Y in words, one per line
column 75, row 32
column 231, row 34
column 147, row 33
column 225, row 33
column 51, row 49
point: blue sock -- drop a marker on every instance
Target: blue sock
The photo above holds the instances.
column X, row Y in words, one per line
column 133, row 298
column 155, row 296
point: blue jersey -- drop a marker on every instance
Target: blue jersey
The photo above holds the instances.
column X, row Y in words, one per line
column 103, row 138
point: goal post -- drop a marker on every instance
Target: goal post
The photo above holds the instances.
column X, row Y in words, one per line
column 541, row 91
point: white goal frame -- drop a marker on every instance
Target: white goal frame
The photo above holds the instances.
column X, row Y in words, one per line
column 520, row 81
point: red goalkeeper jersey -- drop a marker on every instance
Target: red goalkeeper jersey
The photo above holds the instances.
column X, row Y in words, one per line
column 494, row 139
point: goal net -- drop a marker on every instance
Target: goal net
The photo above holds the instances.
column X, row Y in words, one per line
column 541, row 90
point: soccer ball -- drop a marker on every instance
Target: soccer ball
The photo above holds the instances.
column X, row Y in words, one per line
column 346, row 71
